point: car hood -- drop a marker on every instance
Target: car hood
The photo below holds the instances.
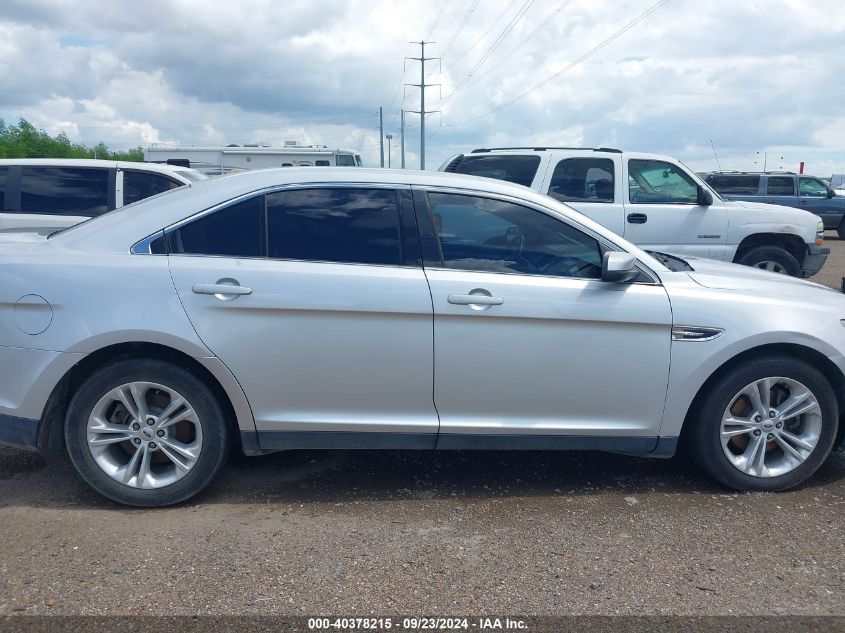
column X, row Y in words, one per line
column 722, row 275
column 778, row 209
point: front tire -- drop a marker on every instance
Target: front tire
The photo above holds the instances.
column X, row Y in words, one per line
column 145, row 432
column 766, row 425
column 772, row 258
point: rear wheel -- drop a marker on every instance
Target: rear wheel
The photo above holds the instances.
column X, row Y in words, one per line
column 772, row 258
column 765, row 426
column 146, row 433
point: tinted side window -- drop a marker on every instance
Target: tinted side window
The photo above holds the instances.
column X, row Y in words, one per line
column 321, row 163
column 658, row 182
column 138, row 185
column 344, row 225
column 518, row 169
column 345, row 160
column 495, row 236
column 781, row 186
column 64, row 190
column 583, row 179
column 3, row 174
column 812, row 187
column 236, row 231
column 740, row 184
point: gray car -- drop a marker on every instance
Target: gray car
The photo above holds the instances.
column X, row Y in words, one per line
column 353, row 308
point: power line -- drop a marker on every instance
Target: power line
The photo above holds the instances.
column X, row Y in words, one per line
column 460, row 28
column 645, row 14
column 496, row 43
column 433, row 26
column 542, row 25
column 484, row 34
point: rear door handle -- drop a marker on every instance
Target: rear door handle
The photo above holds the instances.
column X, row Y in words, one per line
column 224, row 289
column 637, row 218
column 476, row 300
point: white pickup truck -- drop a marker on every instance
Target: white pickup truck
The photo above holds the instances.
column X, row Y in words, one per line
column 659, row 204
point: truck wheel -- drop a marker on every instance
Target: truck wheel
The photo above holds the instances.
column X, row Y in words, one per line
column 840, row 230
column 772, row 258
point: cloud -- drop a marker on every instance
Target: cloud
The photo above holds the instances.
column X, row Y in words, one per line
column 753, row 76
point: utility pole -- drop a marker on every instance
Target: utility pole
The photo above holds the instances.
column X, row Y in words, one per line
column 422, row 59
column 381, row 133
column 389, row 138
column 402, row 135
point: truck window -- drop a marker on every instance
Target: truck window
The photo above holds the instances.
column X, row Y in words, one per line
column 510, row 167
column 345, row 160
column 812, row 187
column 65, row 190
column 322, row 163
column 583, row 180
column 659, row 182
column 780, row 186
column 3, row 173
column 734, row 184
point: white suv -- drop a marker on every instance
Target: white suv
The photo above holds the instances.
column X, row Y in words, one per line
column 46, row 194
column 658, row 203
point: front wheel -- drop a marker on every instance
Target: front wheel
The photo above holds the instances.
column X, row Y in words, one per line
column 772, row 258
column 144, row 432
column 768, row 425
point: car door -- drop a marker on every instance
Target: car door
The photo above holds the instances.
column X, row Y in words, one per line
column 316, row 300
column 590, row 185
column 662, row 211
column 781, row 190
column 532, row 350
column 813, row 197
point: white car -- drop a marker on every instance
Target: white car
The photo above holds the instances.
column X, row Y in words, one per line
column 355, row 308
column 657, row 203
column 47, row 194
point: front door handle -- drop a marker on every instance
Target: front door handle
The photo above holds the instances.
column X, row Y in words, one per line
column 225, row 289
column 637, row 218
column 475, row 300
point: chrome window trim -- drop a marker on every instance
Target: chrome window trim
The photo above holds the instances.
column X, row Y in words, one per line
column 137, row 248
column 144, row 247
column 602, row 240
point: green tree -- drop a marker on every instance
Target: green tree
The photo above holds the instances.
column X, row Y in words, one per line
column 24, row 140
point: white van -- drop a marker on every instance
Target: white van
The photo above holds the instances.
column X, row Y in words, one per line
column 54, row 193
column 657, row 203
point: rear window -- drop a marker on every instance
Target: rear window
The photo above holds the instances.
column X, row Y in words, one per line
column 740, row 184
column 3, row 172
column 236, row 231
column 518, row 169
column 781, row 186
column 64, row 190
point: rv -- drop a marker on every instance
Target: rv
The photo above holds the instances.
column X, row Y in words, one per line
column 221, row 160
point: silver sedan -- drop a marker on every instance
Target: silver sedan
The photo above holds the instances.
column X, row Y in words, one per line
column 350, row 308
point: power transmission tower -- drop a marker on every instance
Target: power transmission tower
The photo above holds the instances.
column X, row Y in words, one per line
column 381, row 134
column 402, row 135
column 422, row 59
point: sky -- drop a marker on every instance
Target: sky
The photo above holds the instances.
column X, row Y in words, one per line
column 753, row 80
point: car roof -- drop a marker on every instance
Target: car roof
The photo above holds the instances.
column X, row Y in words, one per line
column 93, row 162
column 118, row 230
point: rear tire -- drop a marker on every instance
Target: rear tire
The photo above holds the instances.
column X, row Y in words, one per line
column 724, row 431
column 145, row 432
column 772, row 258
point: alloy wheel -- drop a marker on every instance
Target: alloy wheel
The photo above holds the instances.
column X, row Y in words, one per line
column 771, row 427
column 144, row 435
column 773, row 267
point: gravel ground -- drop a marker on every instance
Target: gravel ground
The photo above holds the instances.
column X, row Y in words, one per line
column 413, row 532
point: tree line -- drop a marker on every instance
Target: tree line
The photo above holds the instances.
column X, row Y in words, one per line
column 24, row 140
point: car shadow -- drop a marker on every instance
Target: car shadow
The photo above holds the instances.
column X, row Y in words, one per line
column 30, row 479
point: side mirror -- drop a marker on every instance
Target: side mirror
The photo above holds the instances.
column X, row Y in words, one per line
column 705, row 198
column 618, row 267
column 830, row 193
